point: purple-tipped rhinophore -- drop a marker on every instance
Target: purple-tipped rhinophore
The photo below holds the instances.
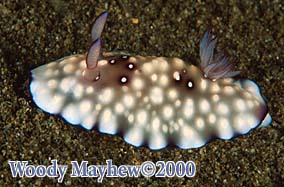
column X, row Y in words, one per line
column 214, row 68
column 98, row 26
column 94, row 54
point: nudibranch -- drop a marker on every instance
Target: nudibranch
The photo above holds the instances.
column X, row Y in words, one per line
column 152, row 101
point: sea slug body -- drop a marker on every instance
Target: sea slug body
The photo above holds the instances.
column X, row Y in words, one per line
column 152, row 101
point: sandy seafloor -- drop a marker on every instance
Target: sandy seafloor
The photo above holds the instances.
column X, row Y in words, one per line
column 33, row 34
